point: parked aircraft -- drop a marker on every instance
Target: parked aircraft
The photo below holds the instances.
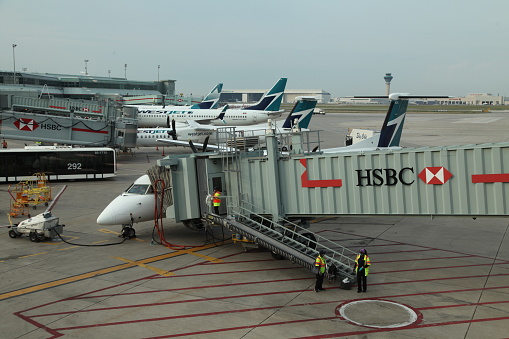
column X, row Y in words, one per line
column 267, row 108
column 199, row 135
column 136, row 204
column 390, row 134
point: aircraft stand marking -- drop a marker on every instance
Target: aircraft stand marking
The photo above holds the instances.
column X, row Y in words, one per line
column 155, row 269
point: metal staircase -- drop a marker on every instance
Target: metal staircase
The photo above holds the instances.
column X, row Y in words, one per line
column 289, row 240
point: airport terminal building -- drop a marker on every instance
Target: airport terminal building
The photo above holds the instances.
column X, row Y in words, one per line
column 87, row 87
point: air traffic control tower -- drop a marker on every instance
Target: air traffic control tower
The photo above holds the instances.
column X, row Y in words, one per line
column 388, row 79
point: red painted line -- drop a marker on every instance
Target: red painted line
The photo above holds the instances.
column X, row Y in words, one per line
column 439, row 268
column 39, row 325
column 88, row 130
column 317, row 183
column 228, row 272
column 464, row 305
column 178, row 302
column 359, row 333
column 171, row 290
column 57, row 107
column 438, row 279
column 490, row 178
column 240, row 328
column 433, row 258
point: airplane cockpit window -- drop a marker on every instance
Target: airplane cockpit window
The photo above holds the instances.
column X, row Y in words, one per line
column 139, row 189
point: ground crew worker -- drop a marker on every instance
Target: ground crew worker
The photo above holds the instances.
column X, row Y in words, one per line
column 4, row 144
column 361, row 267
column 320, row 265
column 216, row 199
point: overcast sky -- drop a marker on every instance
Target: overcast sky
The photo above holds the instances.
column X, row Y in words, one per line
column 435, row 47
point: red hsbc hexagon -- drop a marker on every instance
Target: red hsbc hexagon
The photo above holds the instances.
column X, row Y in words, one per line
column 24, row 124
column 435, row 175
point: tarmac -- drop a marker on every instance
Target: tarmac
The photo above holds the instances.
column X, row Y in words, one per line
column 444, row 277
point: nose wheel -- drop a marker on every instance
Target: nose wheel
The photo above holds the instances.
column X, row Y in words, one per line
column 127, row 232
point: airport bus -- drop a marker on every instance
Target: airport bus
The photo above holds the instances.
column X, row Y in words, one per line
column 57, row 162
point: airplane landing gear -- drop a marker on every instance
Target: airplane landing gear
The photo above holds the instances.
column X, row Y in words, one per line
column 127, row 232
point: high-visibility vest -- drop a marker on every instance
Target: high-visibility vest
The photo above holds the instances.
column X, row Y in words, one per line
column 320, row 263
column 217, row 201
column 367, row 263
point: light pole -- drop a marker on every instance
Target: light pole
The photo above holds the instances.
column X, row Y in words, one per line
column 125, row 71
column 86, row 69
column 109, row 72
column 158, row 66
column 14, row 62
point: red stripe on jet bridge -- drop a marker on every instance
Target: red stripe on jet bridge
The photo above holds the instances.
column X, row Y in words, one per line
column 317, row 183
column 487, row 178
column 88, row 130
column 57, row 107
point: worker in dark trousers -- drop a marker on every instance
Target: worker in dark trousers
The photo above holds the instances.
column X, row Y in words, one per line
column 320, row 265
column 362, row 263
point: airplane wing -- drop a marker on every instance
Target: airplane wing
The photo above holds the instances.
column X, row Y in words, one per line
column 208, row 121
column 195, row 145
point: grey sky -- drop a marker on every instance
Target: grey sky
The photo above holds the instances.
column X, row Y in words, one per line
column 344, row 47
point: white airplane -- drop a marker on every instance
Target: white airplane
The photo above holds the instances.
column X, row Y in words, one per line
column 136, row 204
column 211, row 101
column 209, row 136
column 267, row 108
column 390, row 134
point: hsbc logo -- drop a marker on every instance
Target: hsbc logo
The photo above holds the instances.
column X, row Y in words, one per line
column 435, row 175
column 24, row 124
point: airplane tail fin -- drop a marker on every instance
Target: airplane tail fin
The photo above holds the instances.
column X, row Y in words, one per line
column 211, row 100
column 272, row 100
column 301, row 113
column 390, row 134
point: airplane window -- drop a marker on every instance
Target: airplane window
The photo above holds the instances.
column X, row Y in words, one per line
column 139, row 189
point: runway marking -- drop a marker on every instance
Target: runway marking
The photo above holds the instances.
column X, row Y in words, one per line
column 155, row 269
column 92, row 274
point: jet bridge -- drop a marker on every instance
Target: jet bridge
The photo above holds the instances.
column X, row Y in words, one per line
column 67, row 121
column 264, row 189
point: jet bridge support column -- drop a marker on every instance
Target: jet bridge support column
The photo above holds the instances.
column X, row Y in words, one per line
column 272, row 184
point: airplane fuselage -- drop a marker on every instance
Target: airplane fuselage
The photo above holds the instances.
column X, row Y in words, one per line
column 153, row 117
column 147, row 137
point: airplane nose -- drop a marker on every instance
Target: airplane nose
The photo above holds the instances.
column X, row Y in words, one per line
column 106, row 218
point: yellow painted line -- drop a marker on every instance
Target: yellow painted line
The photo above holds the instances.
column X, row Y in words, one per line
column 95, row 273
column 206, row 257
column 67, row 248
column 99, row 242
column 155, row 269
column 31, row 255
column 104, row 230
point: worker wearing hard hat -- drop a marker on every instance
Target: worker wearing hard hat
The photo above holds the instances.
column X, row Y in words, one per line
column 320, row 271
column 362, row 263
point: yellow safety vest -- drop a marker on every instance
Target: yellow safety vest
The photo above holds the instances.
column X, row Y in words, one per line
column 320, row 263
column 367, row 263
column 217, row 201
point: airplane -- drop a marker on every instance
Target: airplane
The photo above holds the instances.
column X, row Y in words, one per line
column 267, row 108
column 392, row 128
column 127, row 209
column 211, row 101
column 188, row 130
column 198, row 135
column 136, row 204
